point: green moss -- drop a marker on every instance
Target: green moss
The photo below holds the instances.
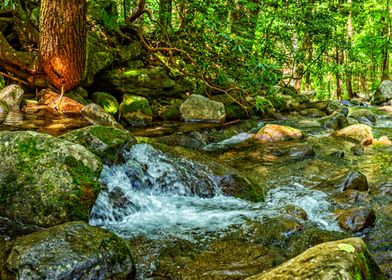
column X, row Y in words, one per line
column 109, row 134
column 87, row 191
column 134, row 72
column 28, row 148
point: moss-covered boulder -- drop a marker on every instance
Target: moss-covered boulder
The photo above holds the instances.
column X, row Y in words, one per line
column 71, row 251
column 277, row 133
column 383, row 93
column 282, row 99
column 342, row 259
column 96, row 115
column 202, row 109
column 357, row 132
column 135, row 110
column 147, row 82
column 44, row 180
column 107, row 101
column 103, row 141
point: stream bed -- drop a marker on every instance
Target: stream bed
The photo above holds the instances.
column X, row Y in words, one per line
column 170, row 199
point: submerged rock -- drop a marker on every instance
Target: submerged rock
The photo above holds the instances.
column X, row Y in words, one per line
column 357, row 132
column 71, row 251
column 103, row 141
column 357, row 219
column 276, row 133
column 202, row 109
column 44, row 180
column 342, row 259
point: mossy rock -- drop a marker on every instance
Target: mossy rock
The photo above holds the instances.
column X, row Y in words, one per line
column 107, row 101
column 201, row 109
column 364, row 116
column 104, row 141
column 342, row 259
column 136, row 110
column 73, row 250
column 147, row 82
column 46, row 181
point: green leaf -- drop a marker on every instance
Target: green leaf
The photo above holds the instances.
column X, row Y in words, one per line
column 346, row 247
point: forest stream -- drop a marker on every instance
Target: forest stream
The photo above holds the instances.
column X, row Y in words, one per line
column 182, row 225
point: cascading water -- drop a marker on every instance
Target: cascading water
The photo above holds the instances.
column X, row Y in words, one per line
column 157, row 195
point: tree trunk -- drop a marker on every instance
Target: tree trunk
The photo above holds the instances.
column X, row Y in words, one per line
column 62, row 41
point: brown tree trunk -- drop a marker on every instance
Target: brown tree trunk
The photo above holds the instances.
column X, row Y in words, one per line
column 62, row 41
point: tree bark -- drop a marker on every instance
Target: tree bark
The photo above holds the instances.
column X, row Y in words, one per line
column 62, row 41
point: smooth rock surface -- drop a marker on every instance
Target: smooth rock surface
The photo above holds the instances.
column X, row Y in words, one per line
column 96, row 115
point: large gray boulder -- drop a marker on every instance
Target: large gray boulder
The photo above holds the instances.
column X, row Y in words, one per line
column 383, row 93
column 200, row 108
column 46, row 181
column 71, row 251
column 343, row 259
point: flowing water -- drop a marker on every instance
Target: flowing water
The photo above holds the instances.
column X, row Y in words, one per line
column 158, row 200
column 156, row 195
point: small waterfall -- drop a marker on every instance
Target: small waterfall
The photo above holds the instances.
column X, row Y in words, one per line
column 157, row 195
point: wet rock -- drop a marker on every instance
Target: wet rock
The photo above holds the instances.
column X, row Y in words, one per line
column 357, row 219
column 135, row 110
column 103, row 141
column 12, row 95
column 46, row 181
column 357, row 132
column 202, row 109
column 337, row 154
column 276, row 133
column 334, row 121
column 3, row 111
column 343, row 259
column 364, row 116
column 335, row 106
column 107, row 101
column 96, row 115
column 354, row 180
column 71, row 251
column 296, row 212
column 383, row 93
